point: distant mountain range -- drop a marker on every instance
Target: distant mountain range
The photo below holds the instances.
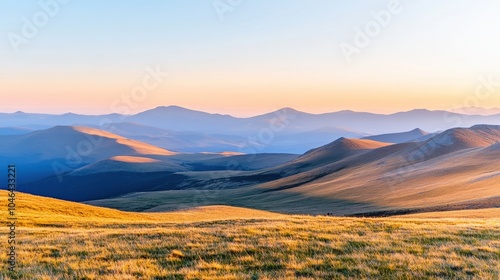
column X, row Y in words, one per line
column 414, row 135
column 283, row 131
column 477, row 111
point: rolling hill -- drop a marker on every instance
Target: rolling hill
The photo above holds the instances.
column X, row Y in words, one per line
column 456, row 139
column 336, row 151
column 237, row 162
column 40, row 211
column 179, row 141
column 129, row 164
column 458, row 169
column 81, row 163
column 59, row 141
column 340, row 148
column 61, row 149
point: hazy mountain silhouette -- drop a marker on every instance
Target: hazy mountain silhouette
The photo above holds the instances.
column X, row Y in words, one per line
column 477, row 111
column 284, row 121
column 182, row 119
column 15, row 130
column 414, row 135
column 180, row 141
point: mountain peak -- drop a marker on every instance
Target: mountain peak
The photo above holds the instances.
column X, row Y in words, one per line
column 171, row 107
column 174, row 109
column 399, row 137
column 343, row 144
column 289, row 110
column 98, row 143
column 455, row 139
column 485, row 127
column 338, row 150
column 171, row 110
column 357, row 144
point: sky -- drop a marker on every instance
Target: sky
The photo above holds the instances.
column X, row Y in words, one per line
column 246, row 57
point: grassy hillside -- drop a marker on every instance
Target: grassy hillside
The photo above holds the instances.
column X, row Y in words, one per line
column 63, row 240
column 37, row 211
column 464, row 214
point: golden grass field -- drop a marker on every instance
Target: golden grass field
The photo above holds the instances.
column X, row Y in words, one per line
column 64, row 240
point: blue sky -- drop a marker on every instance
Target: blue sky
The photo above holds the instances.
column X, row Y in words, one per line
column 262, row 56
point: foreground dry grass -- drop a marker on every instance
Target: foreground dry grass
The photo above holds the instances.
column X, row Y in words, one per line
column 489, row 213
column 150, row 246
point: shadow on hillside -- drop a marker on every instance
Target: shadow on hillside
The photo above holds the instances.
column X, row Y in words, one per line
column 282, row 202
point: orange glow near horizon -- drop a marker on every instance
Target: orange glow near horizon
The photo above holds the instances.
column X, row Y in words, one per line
column 260, row 60
column 244, row 101
column 246, row 92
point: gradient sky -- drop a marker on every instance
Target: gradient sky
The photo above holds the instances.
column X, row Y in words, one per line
column 262, row 56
